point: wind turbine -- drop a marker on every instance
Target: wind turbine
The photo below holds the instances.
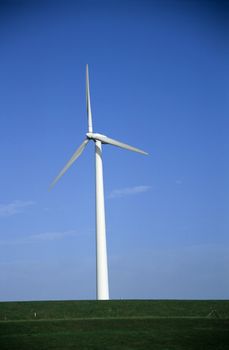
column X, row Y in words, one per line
column 102, row 284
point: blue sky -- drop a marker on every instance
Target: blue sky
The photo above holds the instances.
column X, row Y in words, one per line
column 159, row 81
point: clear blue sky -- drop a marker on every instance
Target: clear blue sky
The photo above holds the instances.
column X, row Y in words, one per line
column 159, row 81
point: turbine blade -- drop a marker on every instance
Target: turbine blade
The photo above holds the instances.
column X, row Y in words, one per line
column 70, row 162
column 89, row 115
column 105, row 139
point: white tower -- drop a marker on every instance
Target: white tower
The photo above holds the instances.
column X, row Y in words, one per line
column 102, row 284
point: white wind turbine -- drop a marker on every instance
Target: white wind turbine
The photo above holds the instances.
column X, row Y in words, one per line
column 101, row 248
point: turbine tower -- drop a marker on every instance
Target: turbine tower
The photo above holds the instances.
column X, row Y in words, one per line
column 102, row 284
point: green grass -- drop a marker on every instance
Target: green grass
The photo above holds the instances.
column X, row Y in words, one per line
column 114, row 325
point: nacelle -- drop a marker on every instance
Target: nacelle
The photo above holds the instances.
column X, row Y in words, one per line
column 92, row 136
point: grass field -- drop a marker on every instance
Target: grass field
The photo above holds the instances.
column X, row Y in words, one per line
column 148, row 324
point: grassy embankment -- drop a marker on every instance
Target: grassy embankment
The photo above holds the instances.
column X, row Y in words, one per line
column 158, row 325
